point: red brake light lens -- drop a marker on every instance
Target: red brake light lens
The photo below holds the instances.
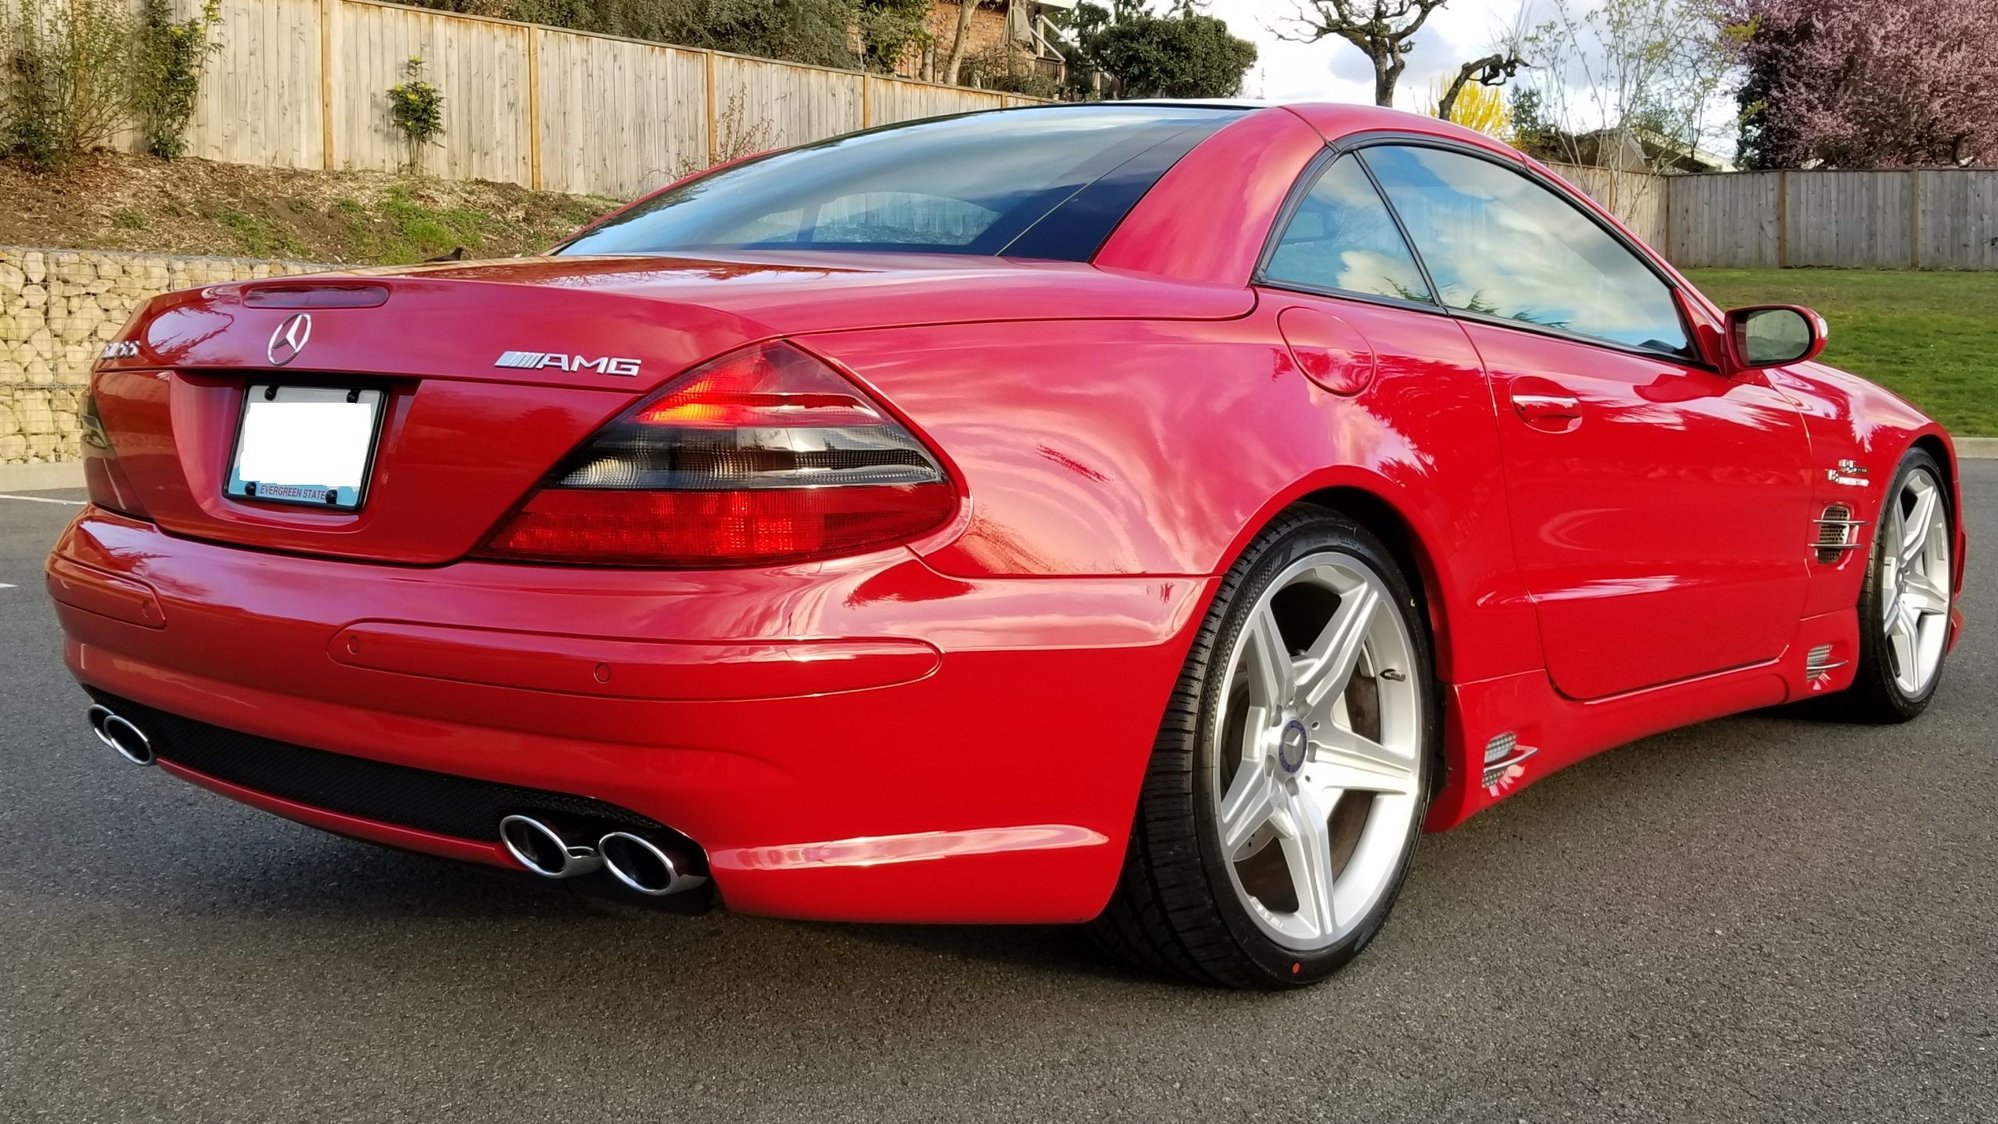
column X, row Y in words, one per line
column 765, row 455
column 318, row 294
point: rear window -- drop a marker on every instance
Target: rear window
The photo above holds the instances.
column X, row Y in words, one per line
column 1045, row 183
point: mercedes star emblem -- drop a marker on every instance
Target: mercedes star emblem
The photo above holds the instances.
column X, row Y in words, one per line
column 289, row 339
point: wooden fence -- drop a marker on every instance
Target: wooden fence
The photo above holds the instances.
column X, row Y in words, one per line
column 1635, row 198
column 304, row 84
column 1929, row 218
column 1933, row 218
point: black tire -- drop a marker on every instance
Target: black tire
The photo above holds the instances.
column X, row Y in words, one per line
column 1875, row 697
column 1175, row 910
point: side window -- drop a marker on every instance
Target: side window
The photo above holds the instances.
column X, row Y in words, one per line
column 1500, row 244
column 1342, row 237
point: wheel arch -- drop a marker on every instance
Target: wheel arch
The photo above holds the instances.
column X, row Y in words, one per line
column 1937, row 445
column 1404, row 543
column 1369, row 501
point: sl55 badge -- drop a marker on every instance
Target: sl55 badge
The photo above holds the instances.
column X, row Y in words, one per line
column 541, row 360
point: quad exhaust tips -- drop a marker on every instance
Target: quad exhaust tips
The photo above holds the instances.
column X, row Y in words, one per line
column 645, row 866
column 638, row 863
column 119, row 732
column 544, row 851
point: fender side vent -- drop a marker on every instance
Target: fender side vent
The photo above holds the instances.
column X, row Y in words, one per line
column 1837, row 532
column 1819, row 664
column 1501, row 754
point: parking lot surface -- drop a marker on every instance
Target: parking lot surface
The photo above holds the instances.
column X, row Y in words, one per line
column 1765, row 917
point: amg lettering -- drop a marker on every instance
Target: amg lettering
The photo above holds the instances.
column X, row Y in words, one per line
column 542, row 360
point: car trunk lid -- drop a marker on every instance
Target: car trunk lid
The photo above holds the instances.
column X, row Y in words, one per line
column 489, row 373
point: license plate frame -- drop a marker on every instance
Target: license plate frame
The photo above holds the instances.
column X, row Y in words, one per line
column 307, row 444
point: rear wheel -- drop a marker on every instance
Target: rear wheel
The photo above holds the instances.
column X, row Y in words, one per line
column 1287, row 786
column 1904, row 606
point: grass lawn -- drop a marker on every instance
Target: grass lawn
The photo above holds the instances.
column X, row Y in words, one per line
column 1931, row 337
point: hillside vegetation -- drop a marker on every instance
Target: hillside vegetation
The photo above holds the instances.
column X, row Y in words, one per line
column 119, row 202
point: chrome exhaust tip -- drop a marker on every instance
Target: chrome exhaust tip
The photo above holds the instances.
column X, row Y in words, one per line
column 644, row 866
column 118, row 732
column 542, row 849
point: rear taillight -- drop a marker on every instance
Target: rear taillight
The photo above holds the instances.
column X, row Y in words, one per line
column 764, row 455
column 103, row 476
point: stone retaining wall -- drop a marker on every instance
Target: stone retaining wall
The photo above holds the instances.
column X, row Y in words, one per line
column 58, row 308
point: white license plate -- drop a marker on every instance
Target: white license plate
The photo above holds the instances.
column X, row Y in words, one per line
column 306, row 445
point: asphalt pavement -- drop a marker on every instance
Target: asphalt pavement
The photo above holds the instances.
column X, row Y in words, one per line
column 1764, row 917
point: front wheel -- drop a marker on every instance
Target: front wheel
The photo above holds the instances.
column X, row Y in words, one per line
column 1289, row 779
column 1904, row 607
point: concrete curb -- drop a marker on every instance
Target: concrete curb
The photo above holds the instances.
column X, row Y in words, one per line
column 41, row 477
column 69, row 474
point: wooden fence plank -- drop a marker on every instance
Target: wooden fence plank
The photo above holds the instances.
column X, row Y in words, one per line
column 1726, row 221
column 1959, row 223
column 1849, row 220
column 620, row 118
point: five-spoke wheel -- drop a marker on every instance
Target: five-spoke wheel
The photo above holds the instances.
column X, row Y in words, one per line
column 1288, row 782
column 1915, row 576
column 1317, row 766
column 1904, row 606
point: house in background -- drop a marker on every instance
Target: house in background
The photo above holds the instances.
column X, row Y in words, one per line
column 1017, row 30
column 1638, row 149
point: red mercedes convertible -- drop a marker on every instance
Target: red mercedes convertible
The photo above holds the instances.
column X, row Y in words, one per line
column 1138, row 514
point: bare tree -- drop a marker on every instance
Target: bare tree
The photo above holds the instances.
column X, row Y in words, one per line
column 960, row 44
column 1383, row 30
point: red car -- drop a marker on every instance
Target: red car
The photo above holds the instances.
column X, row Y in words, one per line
column 1148, row 515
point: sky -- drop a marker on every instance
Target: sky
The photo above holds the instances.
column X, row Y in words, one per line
column 1335, row 70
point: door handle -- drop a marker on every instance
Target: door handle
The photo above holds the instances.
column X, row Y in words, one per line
column 1547, row 407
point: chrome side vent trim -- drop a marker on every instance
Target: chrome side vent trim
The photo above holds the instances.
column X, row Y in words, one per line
column 1837, row 532
column 1819, row 664
column 1502, row 753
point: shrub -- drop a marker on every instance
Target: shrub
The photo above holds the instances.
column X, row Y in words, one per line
column 69, row 86
column 1008, row 71
column 416, row 108
column 173, row 54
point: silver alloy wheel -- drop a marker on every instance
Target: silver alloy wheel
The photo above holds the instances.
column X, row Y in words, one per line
column 1915, row 581
column 1317, row 744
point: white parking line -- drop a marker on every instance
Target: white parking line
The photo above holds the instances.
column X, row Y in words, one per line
column 6, row 585
column 41, row 499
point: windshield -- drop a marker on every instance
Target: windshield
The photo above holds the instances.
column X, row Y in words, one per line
column 1048, row 182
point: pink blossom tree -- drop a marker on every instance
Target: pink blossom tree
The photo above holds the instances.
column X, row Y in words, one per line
column 1868, row 83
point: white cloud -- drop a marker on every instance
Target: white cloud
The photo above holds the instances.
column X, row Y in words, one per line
column 1335, row 70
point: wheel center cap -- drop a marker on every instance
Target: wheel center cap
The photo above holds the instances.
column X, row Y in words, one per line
column 1291, row 744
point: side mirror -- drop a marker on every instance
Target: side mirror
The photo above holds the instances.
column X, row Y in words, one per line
column 1773, row 336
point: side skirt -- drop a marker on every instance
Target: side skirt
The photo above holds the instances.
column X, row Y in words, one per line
column 1504, row 733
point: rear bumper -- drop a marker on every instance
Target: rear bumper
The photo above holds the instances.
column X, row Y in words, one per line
column 862, row 740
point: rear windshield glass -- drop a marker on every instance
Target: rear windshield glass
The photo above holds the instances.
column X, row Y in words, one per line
column 1047, row 182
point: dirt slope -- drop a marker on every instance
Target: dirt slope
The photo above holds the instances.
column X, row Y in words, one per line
column 119, row 202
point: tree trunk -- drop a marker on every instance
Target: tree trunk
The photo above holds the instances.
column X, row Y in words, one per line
column 960, row 42
column 1386, row 72
column 1449, row 102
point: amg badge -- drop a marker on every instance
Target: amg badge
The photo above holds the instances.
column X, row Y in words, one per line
column 540, row 360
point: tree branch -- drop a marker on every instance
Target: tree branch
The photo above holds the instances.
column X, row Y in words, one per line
column 1492, row 70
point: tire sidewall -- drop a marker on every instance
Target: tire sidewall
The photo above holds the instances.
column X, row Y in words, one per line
column 1263, row 563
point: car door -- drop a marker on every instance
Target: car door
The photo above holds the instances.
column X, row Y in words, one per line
column 1660, row 509
column 1408, row 399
